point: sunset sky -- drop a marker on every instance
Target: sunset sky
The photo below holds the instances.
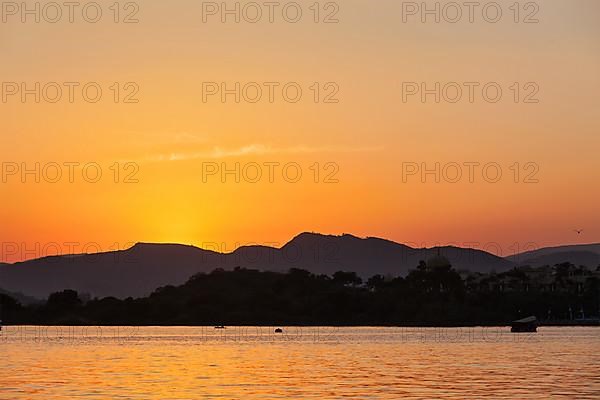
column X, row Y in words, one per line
column 168, row 136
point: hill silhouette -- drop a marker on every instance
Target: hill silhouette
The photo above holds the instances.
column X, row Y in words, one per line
column 137, row 271
column 591, row 247
column 579, row 254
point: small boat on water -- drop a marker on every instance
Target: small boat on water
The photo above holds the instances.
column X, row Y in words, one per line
column 220, row 327
column 528, row 324
column 278, row 330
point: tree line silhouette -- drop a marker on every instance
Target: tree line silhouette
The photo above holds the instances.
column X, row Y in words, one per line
column 433, row 294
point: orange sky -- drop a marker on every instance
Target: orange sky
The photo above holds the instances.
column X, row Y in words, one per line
column 364, row 139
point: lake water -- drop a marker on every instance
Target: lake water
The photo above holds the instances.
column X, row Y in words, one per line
column 255, row 363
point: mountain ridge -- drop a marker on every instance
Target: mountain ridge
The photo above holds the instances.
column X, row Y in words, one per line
column 594, row 247
column 140, row 269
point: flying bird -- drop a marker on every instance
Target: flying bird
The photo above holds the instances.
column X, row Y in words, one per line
column 578, row 231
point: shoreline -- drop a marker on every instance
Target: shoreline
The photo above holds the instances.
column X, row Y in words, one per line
column 556, row 324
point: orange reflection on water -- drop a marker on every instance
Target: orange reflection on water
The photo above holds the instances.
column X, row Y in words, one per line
column 251, row 363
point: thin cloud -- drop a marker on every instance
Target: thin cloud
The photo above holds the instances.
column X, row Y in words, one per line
column 258, row 150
